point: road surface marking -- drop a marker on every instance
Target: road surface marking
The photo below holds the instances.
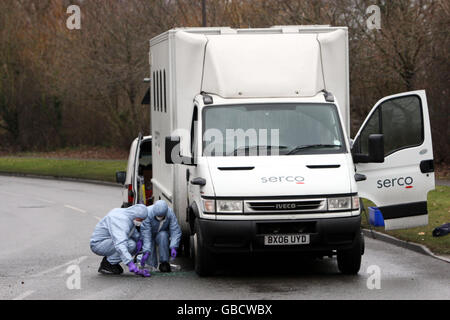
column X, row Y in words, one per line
column 75, row 208
column 76, row 261
column 44, row 200
column 81, row 210
column 24, row 295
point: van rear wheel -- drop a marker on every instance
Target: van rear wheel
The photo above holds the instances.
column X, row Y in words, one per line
column 349, row 261
column 203, row 259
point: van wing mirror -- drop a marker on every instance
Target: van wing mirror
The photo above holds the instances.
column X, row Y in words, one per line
column 173, row 156
column 376, row 151
column 172, row 149
column 121, row 177
column 198, row 182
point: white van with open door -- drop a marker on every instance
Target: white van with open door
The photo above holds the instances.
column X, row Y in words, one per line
column 252, row 151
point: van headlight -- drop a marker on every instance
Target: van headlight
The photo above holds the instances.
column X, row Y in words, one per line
column 230, row 206
column 344, row 203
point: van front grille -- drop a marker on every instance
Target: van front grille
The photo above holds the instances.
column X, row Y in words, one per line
column 285, row 206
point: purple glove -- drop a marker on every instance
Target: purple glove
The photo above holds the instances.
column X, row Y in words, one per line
column 173, row 253
column 144, row 258
column 144, row 272
column 139, row 246
column 132, row 267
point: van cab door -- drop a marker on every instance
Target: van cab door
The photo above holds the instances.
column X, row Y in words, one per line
column 398, row 186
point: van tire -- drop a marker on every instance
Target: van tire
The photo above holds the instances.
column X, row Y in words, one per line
column 203, row 259
column 349, row 261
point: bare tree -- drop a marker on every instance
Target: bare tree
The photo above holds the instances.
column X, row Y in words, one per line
column 62, row 88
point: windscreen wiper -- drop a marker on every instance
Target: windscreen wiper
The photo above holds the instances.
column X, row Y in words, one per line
column 247, row 148
column 311, row 146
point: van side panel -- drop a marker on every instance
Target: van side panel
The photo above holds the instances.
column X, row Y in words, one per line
column 336, row 69
column 161, row 119
column 179, row 56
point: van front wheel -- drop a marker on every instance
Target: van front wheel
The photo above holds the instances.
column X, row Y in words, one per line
column 349, row 261
column 202, row 257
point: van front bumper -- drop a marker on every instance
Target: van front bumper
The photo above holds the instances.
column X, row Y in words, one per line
column 234, row 236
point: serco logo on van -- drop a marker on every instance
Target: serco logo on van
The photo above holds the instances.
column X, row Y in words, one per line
column 393, row 182
column 284, row 179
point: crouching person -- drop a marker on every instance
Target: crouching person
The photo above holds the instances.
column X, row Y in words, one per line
column 160, row 229
column 115, row 237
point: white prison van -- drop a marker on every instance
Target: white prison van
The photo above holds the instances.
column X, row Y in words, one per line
column 251, row 147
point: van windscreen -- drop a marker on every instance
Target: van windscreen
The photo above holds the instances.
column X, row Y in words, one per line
column 272, row 129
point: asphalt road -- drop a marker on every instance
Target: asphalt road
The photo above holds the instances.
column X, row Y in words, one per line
column 45, row 228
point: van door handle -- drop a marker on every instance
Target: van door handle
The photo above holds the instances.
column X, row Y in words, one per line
column 360, row 177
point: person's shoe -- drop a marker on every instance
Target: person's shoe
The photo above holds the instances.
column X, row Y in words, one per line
column 164, row 267
column 108, row 268
column 118, row 268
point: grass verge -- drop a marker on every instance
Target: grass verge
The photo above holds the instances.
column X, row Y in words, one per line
column 103, row 170
column 438, row 214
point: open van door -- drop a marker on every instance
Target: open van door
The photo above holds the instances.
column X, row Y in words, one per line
column 399, row 185
column 134, row 176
